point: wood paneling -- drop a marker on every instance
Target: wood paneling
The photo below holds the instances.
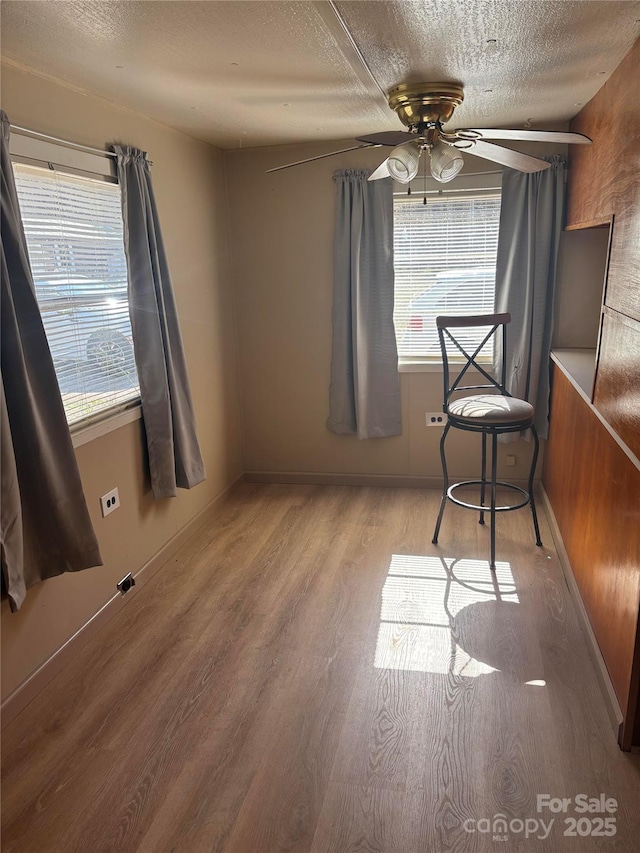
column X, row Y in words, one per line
column 604, row 179
column 288, row 684
column 617, row 393
column 595, row 493
column 593, row 486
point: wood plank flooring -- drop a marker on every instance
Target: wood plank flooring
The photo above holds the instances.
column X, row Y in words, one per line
column 310, row 673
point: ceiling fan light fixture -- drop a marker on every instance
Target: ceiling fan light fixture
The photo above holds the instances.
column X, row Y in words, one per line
column 403, row 162
column 446, row 162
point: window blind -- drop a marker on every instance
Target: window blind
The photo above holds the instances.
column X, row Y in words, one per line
column 73, row 228
column 445, row 263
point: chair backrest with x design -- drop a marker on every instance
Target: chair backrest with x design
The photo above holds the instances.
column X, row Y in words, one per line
column 497, row 324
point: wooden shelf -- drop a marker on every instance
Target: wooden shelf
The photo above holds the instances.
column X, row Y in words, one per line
column 579, row 366
column 603, row 222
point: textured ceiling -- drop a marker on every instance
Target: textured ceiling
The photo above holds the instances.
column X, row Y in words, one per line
column 242, row 74
column 548, row 58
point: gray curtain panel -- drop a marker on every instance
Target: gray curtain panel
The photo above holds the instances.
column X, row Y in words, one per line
column 531, row 219
column 167, row 409
column 364, row 397
column 45, row 527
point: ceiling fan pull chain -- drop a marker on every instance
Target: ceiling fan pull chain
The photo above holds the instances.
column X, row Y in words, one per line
column 424, row 172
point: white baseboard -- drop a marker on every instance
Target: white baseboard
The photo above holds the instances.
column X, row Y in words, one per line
column 606, row 685
column 312, row 478
column 40, row 677
column 394, row 481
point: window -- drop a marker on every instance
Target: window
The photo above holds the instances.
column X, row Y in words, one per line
column 445, row 263
column 73, row 228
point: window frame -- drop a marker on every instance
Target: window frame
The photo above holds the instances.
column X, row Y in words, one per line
column 465, row 185
column 56, row 157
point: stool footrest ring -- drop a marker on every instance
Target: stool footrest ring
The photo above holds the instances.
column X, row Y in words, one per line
column 487, row 484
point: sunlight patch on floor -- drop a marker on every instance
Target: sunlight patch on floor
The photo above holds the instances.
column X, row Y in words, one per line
column 420, row 598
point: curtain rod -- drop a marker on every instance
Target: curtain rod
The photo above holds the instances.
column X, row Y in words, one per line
column 418, row 194
column 67, row 142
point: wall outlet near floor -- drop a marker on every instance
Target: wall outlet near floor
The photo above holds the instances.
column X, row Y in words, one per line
column 126, row 583
column 511, row 460
column 110, row 501
column 435, row 418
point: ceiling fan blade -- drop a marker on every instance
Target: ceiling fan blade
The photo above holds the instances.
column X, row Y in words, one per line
column 526, row 135
column 381, row 172
column 388, row 137
column 506, row 157
column 322, row 156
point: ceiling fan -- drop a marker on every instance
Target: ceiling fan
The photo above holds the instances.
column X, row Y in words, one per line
column 424, row 108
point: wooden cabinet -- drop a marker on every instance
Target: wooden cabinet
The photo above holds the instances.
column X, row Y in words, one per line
column 594, row 489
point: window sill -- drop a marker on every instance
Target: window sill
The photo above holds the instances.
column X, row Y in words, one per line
column 83, row 435
column 408, row 366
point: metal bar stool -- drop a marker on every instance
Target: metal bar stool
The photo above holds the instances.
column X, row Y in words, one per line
column 490, row 414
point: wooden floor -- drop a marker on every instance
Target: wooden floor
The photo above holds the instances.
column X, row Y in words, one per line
column 312, row 674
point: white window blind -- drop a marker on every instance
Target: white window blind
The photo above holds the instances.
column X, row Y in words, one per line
column 445, row 263
column 73, row 227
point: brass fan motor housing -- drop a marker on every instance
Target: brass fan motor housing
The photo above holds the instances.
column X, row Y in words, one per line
column 419, row 103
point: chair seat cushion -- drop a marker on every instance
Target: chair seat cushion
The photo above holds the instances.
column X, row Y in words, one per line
column 491, row 409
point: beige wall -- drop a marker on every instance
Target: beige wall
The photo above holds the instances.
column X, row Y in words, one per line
column 282, row 234
column 189, row 185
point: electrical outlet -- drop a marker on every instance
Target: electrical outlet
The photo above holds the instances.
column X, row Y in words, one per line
column 435, row 418
column 110, row 501
column 511, row 460
column 126, row 583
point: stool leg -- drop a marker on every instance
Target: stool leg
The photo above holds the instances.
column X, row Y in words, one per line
column 484, row 475
column 445, row 485
column 494, row 455
column 536, row 447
